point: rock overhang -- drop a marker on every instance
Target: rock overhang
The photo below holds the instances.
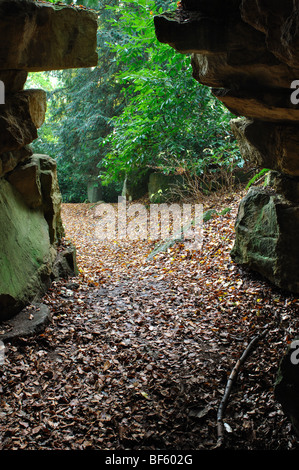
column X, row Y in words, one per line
column 34, row 36
column 40, row 36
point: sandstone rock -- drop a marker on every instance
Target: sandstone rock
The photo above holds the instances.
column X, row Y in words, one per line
column 51, row 196
column 65, row 264
column 258, row 12
column 41, row 36
column 34, row 36
column 253, row 70
column 287, row 384
column 14, row 80
column 218, row 71
column 250, row 154
column 265, row 105
column 229, row 53
column 30, row 321
column 36, row 181
column 9, row 160
column 285, row 185
column 20, row 117
column 26, row 179
column 279, row 21
column 193, row 32
column 26, row 256
column 94, row 191
column 249, row 55
column 37, row 103
column 266, row 227
column 160, row 186
column 269, row 145
column 212, row 7
column 30, row 215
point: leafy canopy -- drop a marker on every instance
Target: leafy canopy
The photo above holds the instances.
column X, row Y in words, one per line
column 139, row 109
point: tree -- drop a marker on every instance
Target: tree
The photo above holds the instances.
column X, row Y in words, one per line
column 168, row 117
column 81, row 103
column 139, row 109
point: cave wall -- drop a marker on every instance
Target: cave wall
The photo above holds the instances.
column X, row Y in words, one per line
column 247, row 51
column 33, row 37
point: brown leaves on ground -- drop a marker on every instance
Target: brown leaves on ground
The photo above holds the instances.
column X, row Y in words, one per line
column 138, row 352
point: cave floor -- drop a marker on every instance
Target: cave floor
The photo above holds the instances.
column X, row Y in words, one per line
column 138, row 351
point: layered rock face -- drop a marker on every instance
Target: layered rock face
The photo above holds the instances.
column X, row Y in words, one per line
column 34, row 37
column 247, row 51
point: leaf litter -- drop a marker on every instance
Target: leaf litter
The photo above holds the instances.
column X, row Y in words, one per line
column 139, row 350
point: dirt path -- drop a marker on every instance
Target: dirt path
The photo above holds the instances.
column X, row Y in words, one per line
column 138, row 353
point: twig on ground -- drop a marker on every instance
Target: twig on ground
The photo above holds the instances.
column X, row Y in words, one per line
column 234, row 373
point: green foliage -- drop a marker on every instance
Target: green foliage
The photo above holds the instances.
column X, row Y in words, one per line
column 260, row 175
column 81, row 104
column 169, row 119
column 139, row 109
column 86, row 3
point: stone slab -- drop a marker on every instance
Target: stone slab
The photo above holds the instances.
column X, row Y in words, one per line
column 29, row 321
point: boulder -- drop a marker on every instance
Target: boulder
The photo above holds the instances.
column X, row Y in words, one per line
column 26, row 255
column 94, row 191
column 266, row 226
column 30, row 321
column 161, row 187
column 65, row 264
